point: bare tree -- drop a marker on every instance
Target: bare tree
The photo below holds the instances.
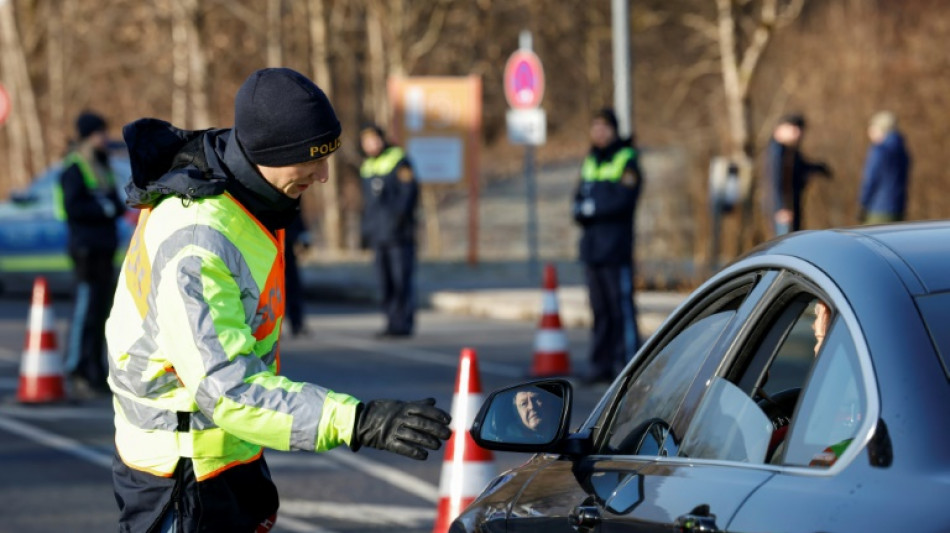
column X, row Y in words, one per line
column 321, row 74
column 23, row 130
column 189, row 97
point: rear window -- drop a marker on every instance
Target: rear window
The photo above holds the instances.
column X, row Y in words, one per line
column 935, row 309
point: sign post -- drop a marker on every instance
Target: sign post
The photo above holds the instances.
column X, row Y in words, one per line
column 438, row 120
column 527, row 125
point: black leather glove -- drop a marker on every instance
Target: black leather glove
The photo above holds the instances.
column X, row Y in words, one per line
column 406, row 428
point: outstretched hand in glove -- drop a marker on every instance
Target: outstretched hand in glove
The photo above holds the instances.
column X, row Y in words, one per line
column 406, row 428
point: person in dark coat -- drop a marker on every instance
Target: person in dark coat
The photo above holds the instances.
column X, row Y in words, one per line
column 390, row 197
column 604, row 206
column 296, row 241
column 787, row 173
column 886, row 168
column 86, row 198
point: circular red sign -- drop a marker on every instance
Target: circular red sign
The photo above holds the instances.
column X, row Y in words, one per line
column 524, row 80
column 4, row 104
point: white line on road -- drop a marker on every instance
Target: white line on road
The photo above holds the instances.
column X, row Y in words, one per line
column 379, row 515
column 58, row 442
column 416, row 354
column 381, row 471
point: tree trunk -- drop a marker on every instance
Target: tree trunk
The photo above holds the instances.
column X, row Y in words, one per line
column 321, row 74
column 179, row 21
column 24, row 128
column 377, row 63
column 55, row 65
column 275, row 56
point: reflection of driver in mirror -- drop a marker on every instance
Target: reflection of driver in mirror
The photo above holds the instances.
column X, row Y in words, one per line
column 530, row 405
column 535, row 419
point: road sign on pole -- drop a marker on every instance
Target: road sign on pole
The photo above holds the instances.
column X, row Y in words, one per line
column 527, row 124
column 524, row 80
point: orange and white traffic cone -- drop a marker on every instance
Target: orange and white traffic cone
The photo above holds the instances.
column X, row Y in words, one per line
column 41, row 372
column 550, row 342
column 467, row 468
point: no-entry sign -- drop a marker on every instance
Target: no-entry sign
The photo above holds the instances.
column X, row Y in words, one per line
column 524, row 80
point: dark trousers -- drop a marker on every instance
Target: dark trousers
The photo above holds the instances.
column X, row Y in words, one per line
column 293, row 291
column 95, row 287
column 615, row 337
column 395, row 268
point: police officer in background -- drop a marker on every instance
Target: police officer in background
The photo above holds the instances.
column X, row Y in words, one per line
column 86, row 198
column 193, row 335
column 604, row 206
column 390, row 196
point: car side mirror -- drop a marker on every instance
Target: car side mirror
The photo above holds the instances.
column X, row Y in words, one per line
column 530, row 417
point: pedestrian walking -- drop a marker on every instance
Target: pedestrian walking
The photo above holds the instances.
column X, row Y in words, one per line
column 886, row 168
column 787, row 172
column 194, row 332
column 87, row 200
column 604, row 206
column 390, row 197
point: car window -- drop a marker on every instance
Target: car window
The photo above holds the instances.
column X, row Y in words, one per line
column 935, row 309
column 764, row 384
column 728, row 426
column 648, row 405
column 833, row 405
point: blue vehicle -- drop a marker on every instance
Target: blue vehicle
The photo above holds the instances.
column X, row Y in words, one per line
column 33, row 240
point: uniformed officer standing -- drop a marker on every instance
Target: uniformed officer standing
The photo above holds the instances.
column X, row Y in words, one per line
column 193, row 335
column 390, row 196
column 604, row 205
column 86, row 198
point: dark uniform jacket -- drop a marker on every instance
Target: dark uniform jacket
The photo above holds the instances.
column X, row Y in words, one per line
column 607, row 222
column 90, row 225
column 390, row 196
column 884, row 186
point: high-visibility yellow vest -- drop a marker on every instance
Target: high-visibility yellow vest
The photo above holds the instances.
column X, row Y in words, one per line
column 88, row 177
column 608, row 170
column 382, row 164
column 193, row 346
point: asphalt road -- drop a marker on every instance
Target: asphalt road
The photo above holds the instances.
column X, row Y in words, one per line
column 55, row 458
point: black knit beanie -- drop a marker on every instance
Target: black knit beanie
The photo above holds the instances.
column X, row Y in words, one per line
column 88, row 123
column 607, row 115
column 281, row 118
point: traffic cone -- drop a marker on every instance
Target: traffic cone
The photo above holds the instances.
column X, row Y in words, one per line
column 550, row 343
column 41, row 372
column 467, row 468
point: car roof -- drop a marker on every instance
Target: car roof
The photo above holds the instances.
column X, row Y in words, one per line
column 917, row 251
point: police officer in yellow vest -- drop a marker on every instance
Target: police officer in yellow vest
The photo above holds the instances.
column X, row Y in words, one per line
column 85, row 198
column 604, row 206
column 194, row 356
column 390, row 196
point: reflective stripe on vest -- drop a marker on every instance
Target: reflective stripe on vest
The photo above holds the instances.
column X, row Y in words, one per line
column 382, row 164
column 88, row 178
column 608, row 170
column 149, row 394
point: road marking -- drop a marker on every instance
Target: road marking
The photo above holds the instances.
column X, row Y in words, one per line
column 379, row 515
column 381, row 471
column 57, row 413
column 58, row 442
column 387, row 474
column 416, row 354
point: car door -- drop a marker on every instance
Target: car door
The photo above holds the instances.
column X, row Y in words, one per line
column 638, row 426
column 655, row 490
column 787, row 364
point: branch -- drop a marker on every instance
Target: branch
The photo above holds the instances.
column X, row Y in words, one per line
column 428, row 40
column 701, row 25
column 790, row 13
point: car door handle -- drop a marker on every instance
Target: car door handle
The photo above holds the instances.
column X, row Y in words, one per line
column 694, row 523
column 584, row 518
